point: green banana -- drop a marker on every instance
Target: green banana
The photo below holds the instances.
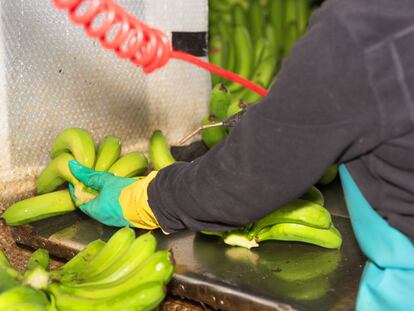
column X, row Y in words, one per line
column 328, row 238
column 39, row 207
column 239, row 16
column 250, row 97
column 218, row 5
column 264, row 73
column 28, row 306
column 39, row 258
column 108, row 152
column 217, row 55
column 277, row 18
column 292, row 35
column 231, row 53
column 329, row 175
column 265, row 67
column 143, row 297
column 291, row 12
column 220, row 100
column 236, row 106
column 262, row 76
column 213, row 31
column 129, row 165
column 157, row 268
column 20, row 294
column 275, row 43
column 298, row 212
column 109, row 255
column 78, row 142
column 226, row 18
column 314, row 195
column 159, row 151
column 303, row 10
column 261, row 45
column 212, row 136
column 214, row 18
column 141, row 249
column 244, row 57
column 4, row 262
column 224, row 31
column 79, row 261
column 56, row 173
column 245, row 4
column 256, row 19
column 9, row 278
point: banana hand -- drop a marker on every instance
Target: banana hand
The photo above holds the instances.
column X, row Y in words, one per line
column 121, row 201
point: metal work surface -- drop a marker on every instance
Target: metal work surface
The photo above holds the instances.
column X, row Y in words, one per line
column 275, row 276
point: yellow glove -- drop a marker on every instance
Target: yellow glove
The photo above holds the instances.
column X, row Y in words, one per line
column 120, row 201
column 134, row 203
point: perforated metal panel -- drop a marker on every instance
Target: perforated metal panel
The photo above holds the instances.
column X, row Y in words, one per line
column 52, row 77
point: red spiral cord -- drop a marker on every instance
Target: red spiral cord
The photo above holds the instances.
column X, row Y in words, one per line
column 144, row 46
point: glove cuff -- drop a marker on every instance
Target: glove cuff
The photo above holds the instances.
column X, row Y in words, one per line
column 134, row 204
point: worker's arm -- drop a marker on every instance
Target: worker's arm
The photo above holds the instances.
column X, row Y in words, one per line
column 321, row 110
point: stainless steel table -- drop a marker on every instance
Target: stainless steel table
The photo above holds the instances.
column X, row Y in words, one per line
column 275, row 276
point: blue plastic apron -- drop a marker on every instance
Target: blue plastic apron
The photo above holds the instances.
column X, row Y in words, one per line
column 388, row 279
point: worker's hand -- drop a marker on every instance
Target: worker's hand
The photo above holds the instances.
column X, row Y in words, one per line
column 120, row 201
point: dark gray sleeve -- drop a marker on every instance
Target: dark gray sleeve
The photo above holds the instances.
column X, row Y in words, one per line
column 321, row 110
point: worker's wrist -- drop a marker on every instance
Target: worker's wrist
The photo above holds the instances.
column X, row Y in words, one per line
column 134, row 204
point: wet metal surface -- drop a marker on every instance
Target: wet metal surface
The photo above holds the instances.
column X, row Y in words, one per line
column 334, row 198
column 275, row 276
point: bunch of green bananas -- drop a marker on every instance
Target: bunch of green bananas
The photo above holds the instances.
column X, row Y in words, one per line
column 126, row 273
column 250, row 38
column 304, row 220
column 78, row 144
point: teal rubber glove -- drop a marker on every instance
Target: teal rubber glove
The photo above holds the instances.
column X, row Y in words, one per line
column 106, row 207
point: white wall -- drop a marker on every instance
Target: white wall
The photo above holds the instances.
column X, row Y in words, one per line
column 52, row 77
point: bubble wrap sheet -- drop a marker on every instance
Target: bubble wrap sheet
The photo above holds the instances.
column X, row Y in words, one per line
column 53, row 77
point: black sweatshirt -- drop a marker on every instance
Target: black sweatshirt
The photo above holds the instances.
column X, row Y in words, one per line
column 345, row 95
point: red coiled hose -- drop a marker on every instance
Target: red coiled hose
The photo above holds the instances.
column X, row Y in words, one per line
column 131, row 39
